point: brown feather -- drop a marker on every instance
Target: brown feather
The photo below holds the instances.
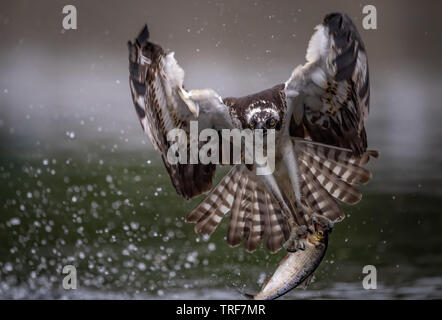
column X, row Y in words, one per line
column 153, row 107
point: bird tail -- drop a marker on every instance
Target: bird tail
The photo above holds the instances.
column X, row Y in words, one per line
column 327, row 174
column 255, row 214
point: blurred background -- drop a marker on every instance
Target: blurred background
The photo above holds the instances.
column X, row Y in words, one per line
column 81, row 185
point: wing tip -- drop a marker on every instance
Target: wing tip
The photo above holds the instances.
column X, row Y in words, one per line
column 335, row 19
column 233, row 242
column 143, row 36
column 374, row 153
column 193, row 216
column 366, row 179
column 355, row 199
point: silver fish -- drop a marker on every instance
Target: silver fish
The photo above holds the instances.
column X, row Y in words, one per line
column 296, row 267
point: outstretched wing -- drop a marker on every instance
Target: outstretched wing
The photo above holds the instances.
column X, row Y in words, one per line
column 161, row 103
column 330, row 95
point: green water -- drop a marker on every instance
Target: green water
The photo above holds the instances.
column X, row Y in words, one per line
column 76, row 187
column 116, row 217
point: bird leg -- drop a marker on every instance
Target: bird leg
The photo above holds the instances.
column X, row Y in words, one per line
column 295, row 241
column 272, row 186
column 291, row 163
column 305, row 212
column 322, row 222
column 298, row 230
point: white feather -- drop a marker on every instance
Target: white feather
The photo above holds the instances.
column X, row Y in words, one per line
column 174, row 73
column 318, row 46
column 319, row 78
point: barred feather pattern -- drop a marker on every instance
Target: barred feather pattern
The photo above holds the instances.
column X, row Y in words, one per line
column 317, row 198
column 255, row 214
column 332, row 92
column 330, row 173
column 254, row 221
column 329, row 181
column 239, row 211
column 155, row 82
column 333, row 87
column 209, row 213
column 276, row 228
column 327, row 174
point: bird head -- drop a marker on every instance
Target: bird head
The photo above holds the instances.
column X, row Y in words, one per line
column 263, row 115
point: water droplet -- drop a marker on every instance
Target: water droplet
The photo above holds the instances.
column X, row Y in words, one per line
column 14, row 222
column 70, row 134
column 134, row 225
column 8, row 267
column 142, row 266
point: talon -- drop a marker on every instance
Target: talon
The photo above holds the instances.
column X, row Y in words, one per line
column 288, row 249
column 323, row 222
column 289, row 245
column 306, row 209
column 296, row 240
column 300, row 231
column 300, row 245
column 293, row 245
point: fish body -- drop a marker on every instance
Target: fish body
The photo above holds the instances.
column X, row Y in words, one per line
column 295, row 268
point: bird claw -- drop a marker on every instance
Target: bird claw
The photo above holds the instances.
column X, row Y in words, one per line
column 295, row 242
column 324, row 222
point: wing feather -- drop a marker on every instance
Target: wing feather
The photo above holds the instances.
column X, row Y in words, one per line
column 332, row 88
column 329, row 99
column 161, row 104
column 237, row 217
column 330, row 173
column 276, row 228
column 255, row 214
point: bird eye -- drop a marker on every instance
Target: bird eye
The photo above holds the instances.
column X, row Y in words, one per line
column 321, row 233
column 272, row 122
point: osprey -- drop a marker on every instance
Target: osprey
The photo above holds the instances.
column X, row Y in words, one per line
column 321, row 145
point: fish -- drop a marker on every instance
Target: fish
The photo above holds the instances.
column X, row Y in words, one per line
column 297, row 267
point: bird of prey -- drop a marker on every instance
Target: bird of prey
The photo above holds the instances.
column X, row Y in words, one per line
column 321, row 145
